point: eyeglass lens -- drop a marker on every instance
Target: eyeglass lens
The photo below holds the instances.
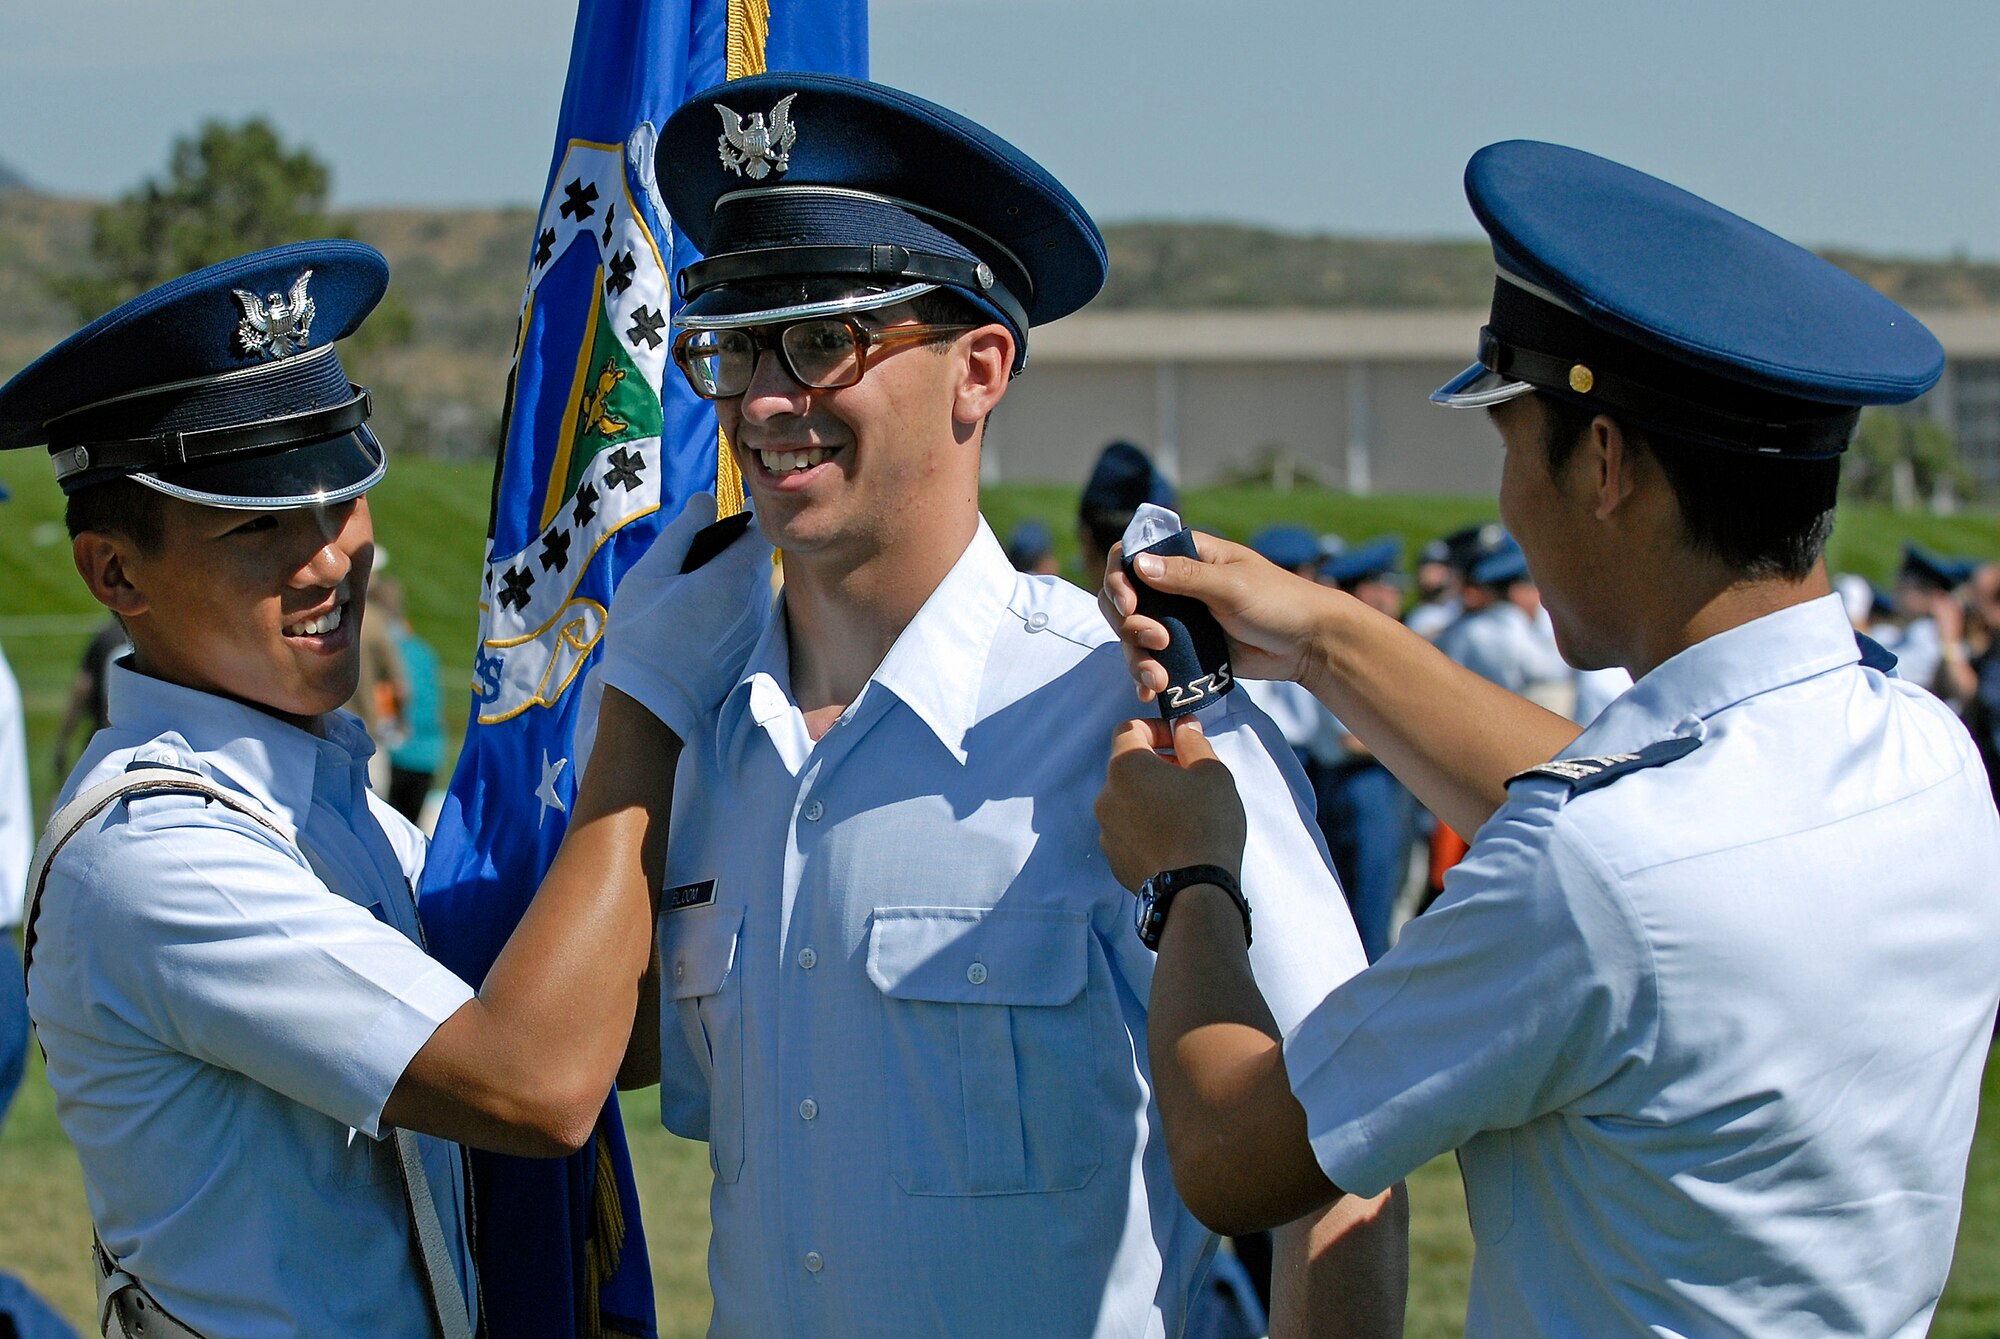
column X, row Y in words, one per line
column 720, row 363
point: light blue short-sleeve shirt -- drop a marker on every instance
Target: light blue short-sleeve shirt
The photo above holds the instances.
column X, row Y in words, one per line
column 903, row 998
column 1708, row 1037
column 223, row 1027
column 1501, row 642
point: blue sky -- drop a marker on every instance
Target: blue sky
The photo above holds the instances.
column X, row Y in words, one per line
column 1832, row 121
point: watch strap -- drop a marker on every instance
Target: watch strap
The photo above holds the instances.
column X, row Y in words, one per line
column 1158, row 893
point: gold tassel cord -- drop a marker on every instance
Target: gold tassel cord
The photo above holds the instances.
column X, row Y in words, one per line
column 749, row 29
column 605, row 1239
column 728, row 479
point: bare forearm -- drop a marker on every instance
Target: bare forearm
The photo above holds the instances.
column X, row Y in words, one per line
column 1236, row 1137
column 641, row 1067
column 1344, row 1272
column 1450, row 736
column 526, row 1065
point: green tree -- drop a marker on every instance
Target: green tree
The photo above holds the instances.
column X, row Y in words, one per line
column 228, row 189
column 1904, row 460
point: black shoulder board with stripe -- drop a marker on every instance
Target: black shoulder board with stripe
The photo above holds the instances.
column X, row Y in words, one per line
column 711, row 540
column 1582, row 774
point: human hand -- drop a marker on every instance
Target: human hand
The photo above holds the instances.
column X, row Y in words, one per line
column 1157, row 812
column 676, row 642
column 1270, row 616
column 1949, row 615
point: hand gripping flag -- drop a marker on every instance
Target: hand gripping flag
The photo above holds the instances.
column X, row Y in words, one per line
column 601, row 443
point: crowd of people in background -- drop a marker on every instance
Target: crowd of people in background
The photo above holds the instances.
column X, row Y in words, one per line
column 1470, row 593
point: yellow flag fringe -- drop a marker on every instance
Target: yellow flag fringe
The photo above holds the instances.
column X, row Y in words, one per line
column 749, row 29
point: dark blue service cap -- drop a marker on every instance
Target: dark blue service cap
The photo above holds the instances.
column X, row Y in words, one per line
column 1124, row 478
column 1286, row 545
column 1466, row 546
column 819, row 194
column 1501, row 564
column 1620, row 293
column 1935, row 570
column 1378, row 559
column 1028, row 543
column 221, row 387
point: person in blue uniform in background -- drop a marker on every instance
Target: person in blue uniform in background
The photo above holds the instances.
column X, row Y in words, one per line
column 1122, row 478
column 1705, row 1010
column 1367, row 815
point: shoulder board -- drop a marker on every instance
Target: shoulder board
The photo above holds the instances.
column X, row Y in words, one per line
column 711, row 540
column 1582, row 774
column 1875, row 656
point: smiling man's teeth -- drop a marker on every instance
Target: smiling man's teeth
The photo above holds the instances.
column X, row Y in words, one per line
column 317, row 627
column 784, row 462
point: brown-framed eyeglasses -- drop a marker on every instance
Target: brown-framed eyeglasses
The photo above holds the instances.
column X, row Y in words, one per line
column 822, row 352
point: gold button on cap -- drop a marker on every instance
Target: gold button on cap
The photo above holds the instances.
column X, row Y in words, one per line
column 1581, row 379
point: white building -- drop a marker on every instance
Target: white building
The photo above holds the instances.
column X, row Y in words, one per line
column 1339, row 394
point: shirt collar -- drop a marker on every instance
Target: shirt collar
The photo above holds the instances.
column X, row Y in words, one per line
column 934, row 668
column 1781, row 648
column 254, row 752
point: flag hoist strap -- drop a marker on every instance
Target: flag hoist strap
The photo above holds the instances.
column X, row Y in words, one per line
column 121, row 1298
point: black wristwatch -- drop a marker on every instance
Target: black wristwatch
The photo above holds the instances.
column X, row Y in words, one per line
column 1157, row 894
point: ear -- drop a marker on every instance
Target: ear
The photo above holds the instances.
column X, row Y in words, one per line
column 1617, row 466
column 989, row 364
column 110, row 564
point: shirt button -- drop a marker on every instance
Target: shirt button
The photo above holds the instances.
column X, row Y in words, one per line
column 808, row 959
column 814, row 1262
column 680, row 970
column 808, row 1110
column 1037, row 621
column 976, row 974
column 814, row 811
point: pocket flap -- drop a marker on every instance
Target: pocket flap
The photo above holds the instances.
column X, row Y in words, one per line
column 697, row 949
column 971, row 955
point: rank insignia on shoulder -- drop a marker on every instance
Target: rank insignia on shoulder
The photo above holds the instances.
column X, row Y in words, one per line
column 711, row 540
column 1582, row 774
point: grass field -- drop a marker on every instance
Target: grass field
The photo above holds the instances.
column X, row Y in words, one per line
column 431, row 518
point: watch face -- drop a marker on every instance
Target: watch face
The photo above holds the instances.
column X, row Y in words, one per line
column 1145, row 915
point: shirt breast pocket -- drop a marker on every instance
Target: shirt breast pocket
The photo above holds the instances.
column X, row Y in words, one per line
column 699, row 984
column 989, row 1035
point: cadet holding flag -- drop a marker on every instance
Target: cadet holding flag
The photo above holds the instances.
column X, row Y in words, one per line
column 257, row 1063
column 1705, row 1009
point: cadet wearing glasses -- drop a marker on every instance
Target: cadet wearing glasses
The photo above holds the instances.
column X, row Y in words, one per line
column 903, row 1001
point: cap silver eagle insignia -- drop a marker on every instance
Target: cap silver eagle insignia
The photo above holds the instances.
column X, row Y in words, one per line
column 753, row 148
column 279, row 326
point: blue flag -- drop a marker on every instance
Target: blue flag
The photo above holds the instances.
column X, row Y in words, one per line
column 602, row 443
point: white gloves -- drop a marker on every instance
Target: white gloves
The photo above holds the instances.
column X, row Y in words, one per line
column 677, row 642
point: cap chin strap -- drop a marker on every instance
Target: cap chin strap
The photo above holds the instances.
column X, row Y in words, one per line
column 1797, row 439
column 170, row 449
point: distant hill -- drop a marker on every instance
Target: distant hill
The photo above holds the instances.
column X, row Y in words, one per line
column 10, row 180
column 460, row 272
